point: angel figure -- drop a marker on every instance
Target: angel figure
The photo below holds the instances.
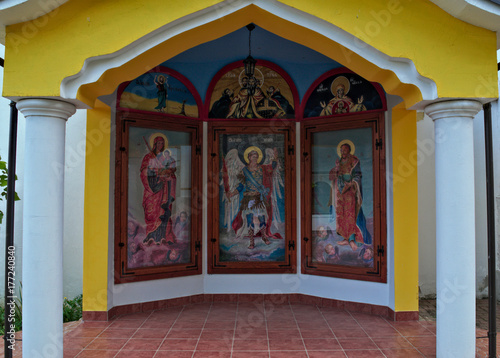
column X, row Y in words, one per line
column 251, row 194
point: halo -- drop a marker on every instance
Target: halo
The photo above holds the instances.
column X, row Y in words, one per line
column 345, row 141
column 341, row 80
column 165, row 78
column 260, row 78
column 251, row 148
column 152, row 139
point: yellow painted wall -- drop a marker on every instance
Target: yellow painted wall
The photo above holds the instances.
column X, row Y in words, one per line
column 96, row 209
column 459, row 57
column 405, row 197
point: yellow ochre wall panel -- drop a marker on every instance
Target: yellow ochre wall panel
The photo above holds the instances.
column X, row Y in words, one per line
column 405, row 197
column 96, row 209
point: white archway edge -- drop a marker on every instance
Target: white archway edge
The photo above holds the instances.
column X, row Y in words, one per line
column 94, row 67
column 455, row 226
column 43, row 225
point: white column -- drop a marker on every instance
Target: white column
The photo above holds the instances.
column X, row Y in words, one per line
column 43, row 225
column 455, row 231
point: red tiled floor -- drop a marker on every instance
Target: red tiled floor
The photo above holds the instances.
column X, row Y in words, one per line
column 252, row 330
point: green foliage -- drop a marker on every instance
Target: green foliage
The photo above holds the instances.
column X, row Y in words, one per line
column 72, row 309
column 18, row 314
column 3, row 184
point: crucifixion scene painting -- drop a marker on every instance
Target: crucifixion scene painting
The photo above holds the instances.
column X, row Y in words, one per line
column 251, row 197
column 343, row 198
column 159, row 197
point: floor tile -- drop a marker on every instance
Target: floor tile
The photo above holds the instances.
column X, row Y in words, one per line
column 382, row 332
column 118, row 333
column 107, row 343
column 126, row 324
column 69, row 353
column 392, row 342
column 174, row 354
column 97, row 353
column 368, row 353
column 429, row 352
column 286, row 344
column 423, row 341
column 319, row 333
column 250, row 345
column 414, row 331
column 250, row 354
column 77, row 342
column 326, row 354
column 184, row 333
column 287, row 354
column 179, row 344
column 357, row 343
column 219, row 345
column 150, row 333
column 142, row 344
column 151, row 324
column 217, row 334
column 85, row 332
column 202, row 354
column 286, row 334
column 135, row 354
column 402, row 353
column 134, row 316
column 322, row 344
column 350, row 333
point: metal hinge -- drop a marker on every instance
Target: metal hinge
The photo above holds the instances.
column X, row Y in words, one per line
column 197, row 246
column 198, row 149
column 291, row 150
column 380, row 250
column 291, row 245
column 378, row 143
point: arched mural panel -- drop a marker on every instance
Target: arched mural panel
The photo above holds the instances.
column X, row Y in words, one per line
column 340, row 92
column 160, row 90
column 267, row 94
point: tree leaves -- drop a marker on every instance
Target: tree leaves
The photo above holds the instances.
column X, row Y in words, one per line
column 3, row 184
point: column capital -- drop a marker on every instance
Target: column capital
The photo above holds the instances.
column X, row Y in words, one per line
column 453, row 108
column 43, row 107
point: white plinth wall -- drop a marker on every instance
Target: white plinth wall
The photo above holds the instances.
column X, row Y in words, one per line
column 43, row 226
column 455, row 227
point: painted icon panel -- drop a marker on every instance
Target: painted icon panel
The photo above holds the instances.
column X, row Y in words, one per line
column 252, row 197
column 342, row 193
column 264, row 95
column 342, row 93
column 159, row 91
column 159, row 198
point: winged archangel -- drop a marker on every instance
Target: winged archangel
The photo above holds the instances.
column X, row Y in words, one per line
column 253, row 195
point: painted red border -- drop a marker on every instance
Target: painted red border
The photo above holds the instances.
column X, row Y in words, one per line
column 334, row 72
column 184, row 80
column 268, row 64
